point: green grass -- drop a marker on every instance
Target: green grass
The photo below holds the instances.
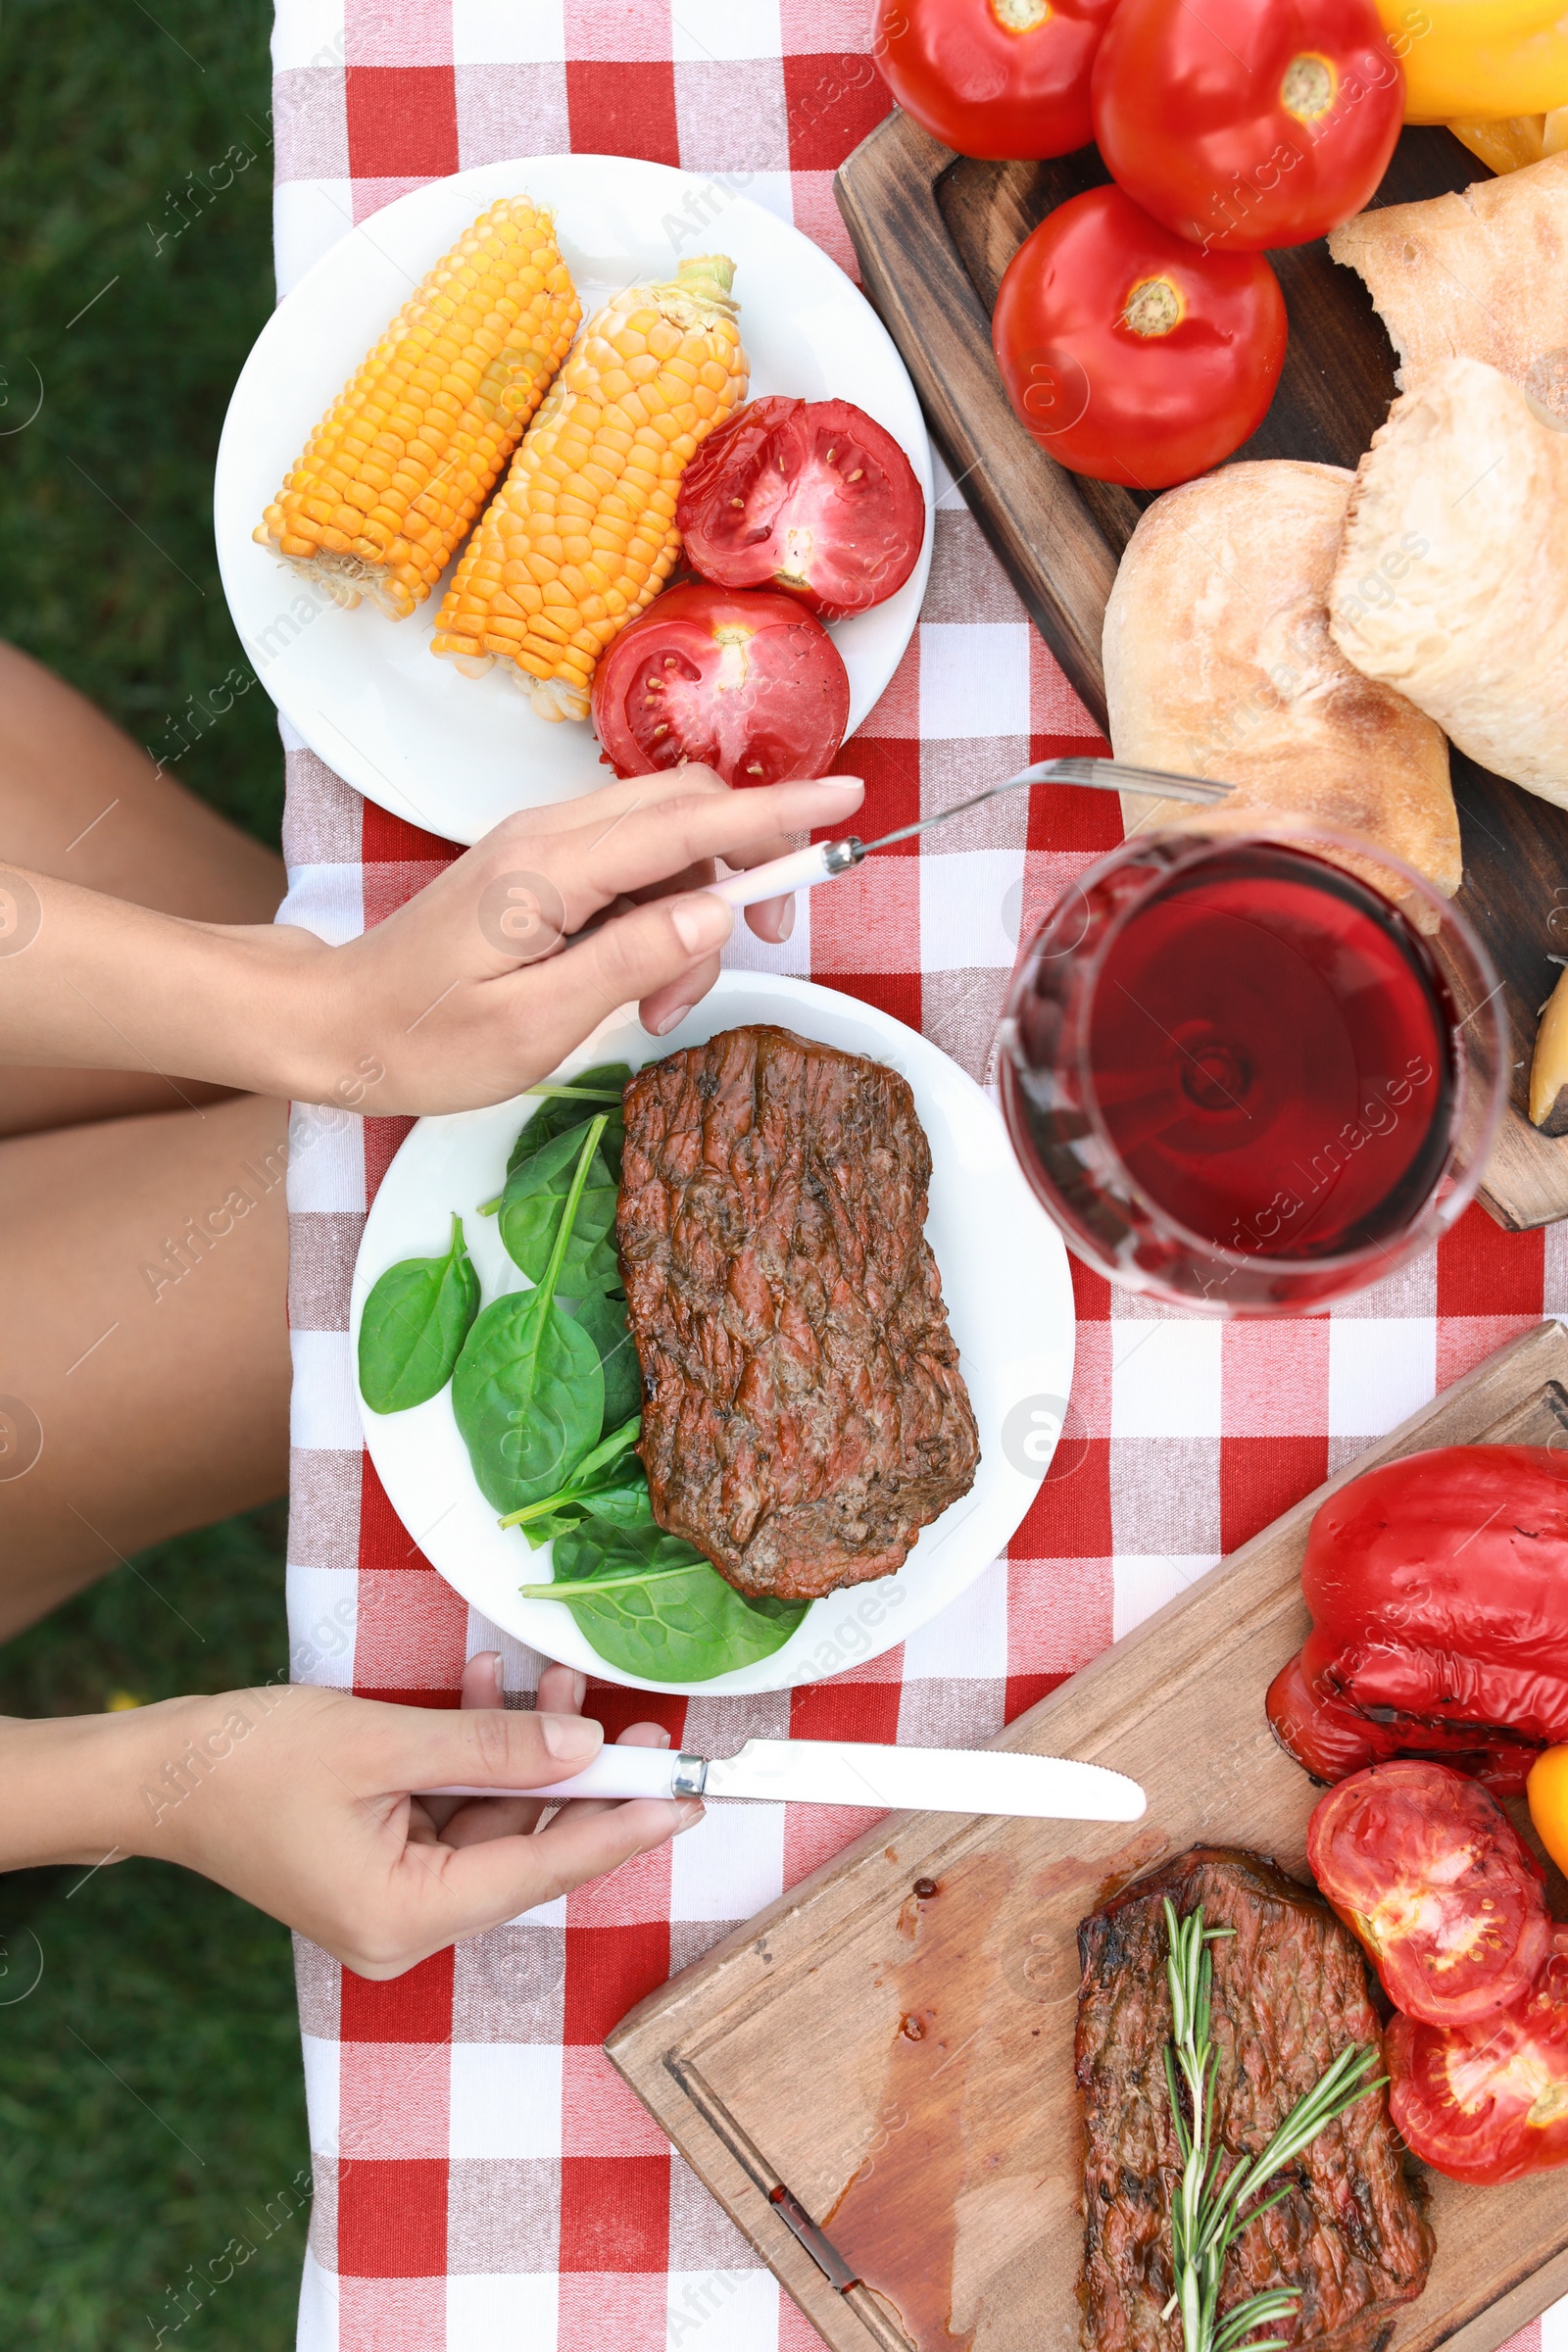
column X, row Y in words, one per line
column 110, row 130
column 112, row 2188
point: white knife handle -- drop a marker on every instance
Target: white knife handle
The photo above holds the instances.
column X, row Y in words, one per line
column 798, row 871
column 613, row 1772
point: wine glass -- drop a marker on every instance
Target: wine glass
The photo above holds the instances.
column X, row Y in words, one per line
column 1242, row 1078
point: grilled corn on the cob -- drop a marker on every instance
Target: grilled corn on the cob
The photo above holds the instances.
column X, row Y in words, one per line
column 581, row 535
column 400, row 464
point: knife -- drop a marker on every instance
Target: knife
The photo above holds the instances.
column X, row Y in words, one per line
column 857, row 1772
column 821, row 860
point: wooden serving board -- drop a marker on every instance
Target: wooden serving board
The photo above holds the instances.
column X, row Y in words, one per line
column 875, row 2075
column 934, row 231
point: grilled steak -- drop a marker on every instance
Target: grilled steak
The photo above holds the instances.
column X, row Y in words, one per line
column 1290, row 1991
column 803, row 1413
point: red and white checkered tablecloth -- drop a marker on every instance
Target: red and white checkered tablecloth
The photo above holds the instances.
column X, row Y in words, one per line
column 483, row 2181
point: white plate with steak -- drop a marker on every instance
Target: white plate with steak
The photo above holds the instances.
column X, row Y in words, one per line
column 990, row 1270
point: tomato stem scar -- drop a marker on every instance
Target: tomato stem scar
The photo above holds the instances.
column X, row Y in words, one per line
column 1309, row 87
column 1154, row 306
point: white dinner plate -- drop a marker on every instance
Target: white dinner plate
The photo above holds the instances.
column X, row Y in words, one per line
column 454, row 754
column 1004, row 1275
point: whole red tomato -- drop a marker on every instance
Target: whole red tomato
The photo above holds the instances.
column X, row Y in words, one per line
column 745, row 680
column 1129, row 355
column 1488, row 2102
column 810, row 496
column 1430, row 1873
column 1248, row 123
column 994, row 77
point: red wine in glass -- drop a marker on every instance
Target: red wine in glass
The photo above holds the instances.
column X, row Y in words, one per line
column 1242, row 1077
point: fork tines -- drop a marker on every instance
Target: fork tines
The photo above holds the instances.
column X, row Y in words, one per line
column 1117, row 775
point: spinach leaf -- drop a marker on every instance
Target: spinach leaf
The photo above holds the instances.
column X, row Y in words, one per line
column 609, row 1483
column 618, row 1494
column 602, row 1315
column 652, row 1606
column 527, row 1392
column 413, row 1325
column 533, row 1204
column 565, row 1104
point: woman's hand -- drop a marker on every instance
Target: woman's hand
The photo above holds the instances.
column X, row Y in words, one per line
column 301, row 1801
column 471, row 992
column 484, row 982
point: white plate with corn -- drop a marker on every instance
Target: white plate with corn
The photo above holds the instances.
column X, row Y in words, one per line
column 485, row 499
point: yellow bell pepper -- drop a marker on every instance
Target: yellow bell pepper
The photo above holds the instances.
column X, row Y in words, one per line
column 1522, row 139
column 1479, row 61
column 1547, row 1791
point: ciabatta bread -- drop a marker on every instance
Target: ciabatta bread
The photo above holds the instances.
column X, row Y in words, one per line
column 1219, row 662
column 1471, row 476
column 1480, row 276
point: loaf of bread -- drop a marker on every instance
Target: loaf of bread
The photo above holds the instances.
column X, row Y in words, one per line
column 1219, row 662
column 1468, row 478
column 1480, row 276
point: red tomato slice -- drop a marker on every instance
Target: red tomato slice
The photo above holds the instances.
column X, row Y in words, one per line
column 1429, row 1871
column 811, row 496
column 1248, row 123
column 1488, row 2102
column 994, row 77
column 1129, row 355
column 744, row 681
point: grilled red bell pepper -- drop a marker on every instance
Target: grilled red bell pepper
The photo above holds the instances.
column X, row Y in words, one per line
column 1439, row 1592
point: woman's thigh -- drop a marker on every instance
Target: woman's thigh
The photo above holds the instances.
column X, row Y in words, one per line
column 144, row 1365
column 79, row 800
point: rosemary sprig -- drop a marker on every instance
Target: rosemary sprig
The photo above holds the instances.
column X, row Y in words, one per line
column 1209, row 2211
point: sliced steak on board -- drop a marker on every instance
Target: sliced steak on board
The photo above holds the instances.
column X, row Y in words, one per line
column 1290, row 1991
column 803, row 1412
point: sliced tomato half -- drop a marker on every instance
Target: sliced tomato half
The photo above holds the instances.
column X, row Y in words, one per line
column 809, row 496
column 1488, row 2102
column 1430, row 1873
column 747, row 682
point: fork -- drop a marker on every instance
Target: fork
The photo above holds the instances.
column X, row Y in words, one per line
column 821, row 860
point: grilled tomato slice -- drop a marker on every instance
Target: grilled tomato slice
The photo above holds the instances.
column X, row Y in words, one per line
column 809, row 496
column 1488, row 2102
column 1429, row 1871
column 744, row 680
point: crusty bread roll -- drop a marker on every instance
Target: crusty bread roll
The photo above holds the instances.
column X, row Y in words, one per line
column 1218, row 662
column 1470, row 477
column 1482, row 276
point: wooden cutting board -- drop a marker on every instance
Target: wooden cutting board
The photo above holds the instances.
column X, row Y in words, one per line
column 874, row 2077
column 934, row 233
